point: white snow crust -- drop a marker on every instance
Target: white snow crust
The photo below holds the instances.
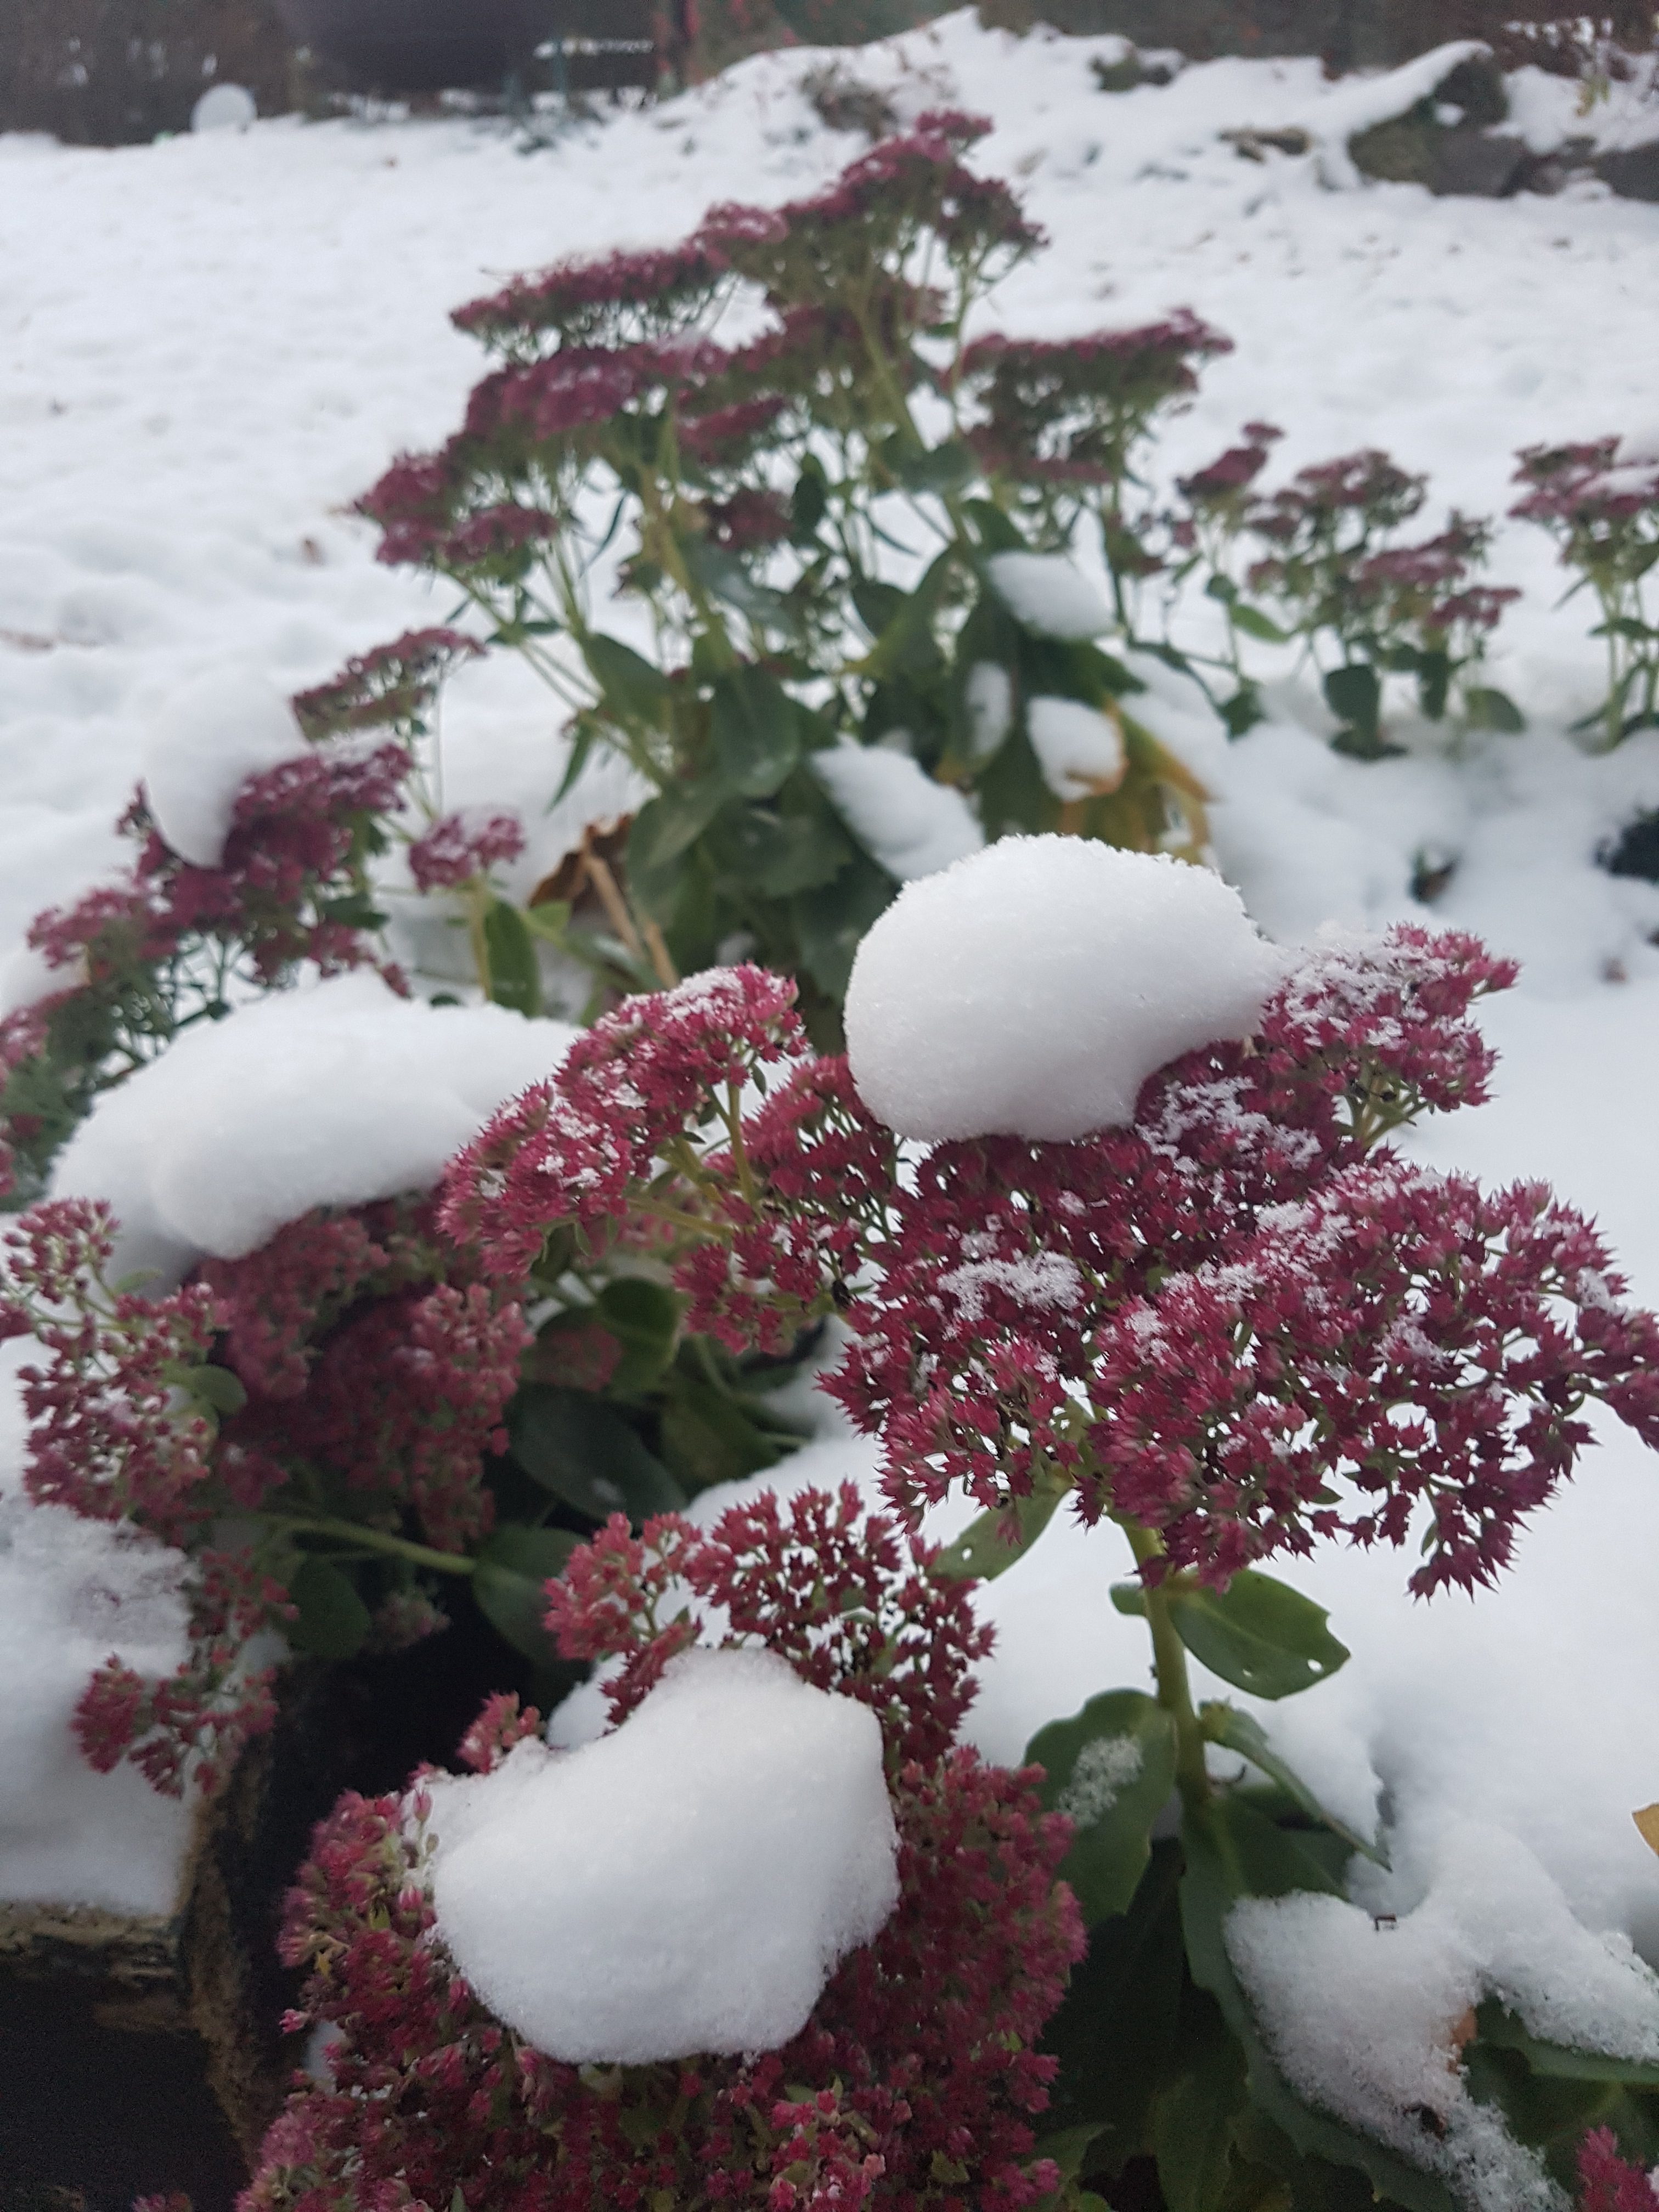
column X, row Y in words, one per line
column 685, row 1884
column 913, row 825
column 206, row 740
column 330, row 1095
column 1050, row 594
column 1079, row 749
column 73, row 1593
column 1032, row 990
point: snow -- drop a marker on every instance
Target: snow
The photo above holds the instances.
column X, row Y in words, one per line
column 1366, row 2006
column 225, row 108
column 1050, row 594
column 206, row 740
column 73, row 1593
column 989, row 695
column 913, row 825
column 331, row 1095
column 1079, row 749
column 686, row 1884
column 188, row 422
column 1032, row 990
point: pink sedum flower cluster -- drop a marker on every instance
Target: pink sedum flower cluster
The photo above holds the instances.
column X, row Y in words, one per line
column 351, row 1349
column 1245, row 1321
column 914, row 2085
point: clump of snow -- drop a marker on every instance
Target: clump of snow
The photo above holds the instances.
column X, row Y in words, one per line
column 1050, row 594
column 988, row 694
column 225, row 108
column 1079, row 749
column 1365, row 2009
column 330, row 1095
column 913, row 825
column 27, row 977
column 204, row 743
column 1104, row 1769
column 72, row 1592
column 686, row 1884
column 1032, row 990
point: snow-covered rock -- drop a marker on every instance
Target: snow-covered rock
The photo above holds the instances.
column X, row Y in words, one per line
column 687, row 1883
column 1032, row 990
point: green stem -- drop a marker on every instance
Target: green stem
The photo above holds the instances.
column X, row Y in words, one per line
column 1174, row 1686
column 376, row 1540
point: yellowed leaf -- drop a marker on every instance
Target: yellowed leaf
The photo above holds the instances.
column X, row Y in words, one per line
column 1647, row 1821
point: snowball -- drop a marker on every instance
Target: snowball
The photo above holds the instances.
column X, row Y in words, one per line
column 1050, row 594
column 912, row 825
column 1032, row 990
column 988, row 695
column 74, row 1592
column 330, row 1095
column 688, row 1883
column 1079, row 749
column 204, row 743
column 225, row 108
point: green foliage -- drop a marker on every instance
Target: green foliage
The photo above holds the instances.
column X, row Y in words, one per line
column 1258, row 1634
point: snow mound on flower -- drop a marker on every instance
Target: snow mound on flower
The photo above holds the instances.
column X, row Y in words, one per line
column 1032, row 990
column 912, row 825
column 331, row 1095
column 1366, row 2013
column 688, row 1883
column 72, row 1592
column 1050, row 594
column 205, row 742
column 1079, row 749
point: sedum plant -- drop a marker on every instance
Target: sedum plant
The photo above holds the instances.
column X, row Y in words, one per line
column 1602, row 507
column 1331, row 572
column 780, row 442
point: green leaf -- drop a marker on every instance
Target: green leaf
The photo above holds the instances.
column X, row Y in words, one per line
column 1560, row 2061
column 1110, row 1769
column 1354, row 696
column 1115, row 2033
column 1258, row 1634
column 905, row 641
column 929, row 468
column 585, row 1454
column 1234, row 1851
column 1486, row 708
column 725, row 576
column 1243, row 711
column 810, row 501
column 635, row 691
column 998, row 532
column 831, row 922
column 709, row 1436
column 1239, row 1732
column 1434, row 675
column 333, row 1621
column 757, row 732
column 213, row 1387
column 645, row 1319
column 1195, row 2118
column 515, row 980
column 666, row 827
column 548, row 921
column 778, row 855
column 515, row 1566
column 989, row 1545
column 1255, row 623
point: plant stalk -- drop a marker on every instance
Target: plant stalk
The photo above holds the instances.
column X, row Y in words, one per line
column 1174, row 1684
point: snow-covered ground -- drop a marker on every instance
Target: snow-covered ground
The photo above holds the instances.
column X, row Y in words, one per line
column 208, row 347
